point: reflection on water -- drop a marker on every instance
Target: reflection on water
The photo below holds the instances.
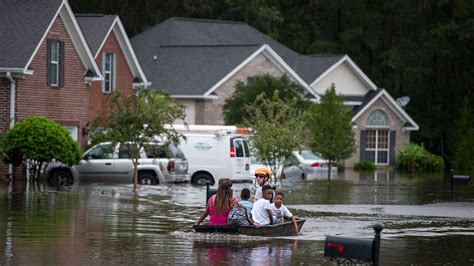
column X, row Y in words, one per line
column 97, row 224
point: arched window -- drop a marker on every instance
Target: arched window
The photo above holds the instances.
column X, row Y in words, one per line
column 378, row 118
column 377, row 137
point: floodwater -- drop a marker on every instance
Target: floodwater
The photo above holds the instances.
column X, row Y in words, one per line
column 92, row 224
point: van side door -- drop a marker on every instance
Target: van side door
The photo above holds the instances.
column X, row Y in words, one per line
column 241, row 160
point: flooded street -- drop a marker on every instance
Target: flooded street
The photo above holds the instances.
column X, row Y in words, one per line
column 97, row 224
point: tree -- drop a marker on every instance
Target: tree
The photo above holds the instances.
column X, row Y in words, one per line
column 279, row 129
column 330, row 127
column 245, row 94
column 36, row 141
column 138, row 119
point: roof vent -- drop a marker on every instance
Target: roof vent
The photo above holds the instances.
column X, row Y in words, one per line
column 154, row 57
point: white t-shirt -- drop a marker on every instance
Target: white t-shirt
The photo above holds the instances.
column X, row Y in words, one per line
column 260, row 213
column 283, row 210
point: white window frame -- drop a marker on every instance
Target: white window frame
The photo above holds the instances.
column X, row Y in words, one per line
column 377, row 149
column 55, row 61
column 111, row 72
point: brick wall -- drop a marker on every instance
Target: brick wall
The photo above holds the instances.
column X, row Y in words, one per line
column 210, row 112
column 396, row 124
column 124, row 77
column 4, row 114
column 67, row 105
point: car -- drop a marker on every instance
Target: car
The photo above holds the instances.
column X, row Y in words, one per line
column 106, row 163
column 305, row 163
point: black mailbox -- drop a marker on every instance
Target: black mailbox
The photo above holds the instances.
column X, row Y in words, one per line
column 346, row 250
column 349, row 248
column 461, row 179
column 209, row 192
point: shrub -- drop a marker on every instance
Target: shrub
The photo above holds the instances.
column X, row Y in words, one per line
column 415, row 157
column 364, row 166
column 36, row 141
column 340, row 167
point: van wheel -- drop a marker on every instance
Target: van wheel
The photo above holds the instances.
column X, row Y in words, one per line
column 146, row 178
column 202, row 179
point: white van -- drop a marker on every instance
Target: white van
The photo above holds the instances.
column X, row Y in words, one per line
column 215, row 152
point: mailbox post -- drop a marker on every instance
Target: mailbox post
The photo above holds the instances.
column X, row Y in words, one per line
column 354, row 250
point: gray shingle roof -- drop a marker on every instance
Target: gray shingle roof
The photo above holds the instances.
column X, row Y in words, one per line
column 182, row 70
column 309, row 67
column 95, row 28
column 367, row 98
column 22, row 24
column 199, row 35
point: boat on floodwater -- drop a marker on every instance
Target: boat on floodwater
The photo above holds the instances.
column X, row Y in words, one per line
column 281, row 229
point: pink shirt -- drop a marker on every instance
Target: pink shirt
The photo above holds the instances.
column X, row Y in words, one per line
column 218, row 218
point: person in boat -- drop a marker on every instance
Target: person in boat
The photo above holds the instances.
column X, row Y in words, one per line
column 245, row 200
column 262, row 177
column 219, row 205
column 262, row 212
column 280, row 212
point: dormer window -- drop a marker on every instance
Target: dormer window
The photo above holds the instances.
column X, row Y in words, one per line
column 109, row 71
column 55, row 63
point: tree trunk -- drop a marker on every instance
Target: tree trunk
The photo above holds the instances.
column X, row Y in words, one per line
column 135, row 175
column 329, row 170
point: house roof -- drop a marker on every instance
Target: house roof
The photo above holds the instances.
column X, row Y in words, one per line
column 192, row 70
column 95, row 28
column 25, row 24
column 372, row 96
column 231, row 40
column 22, row 26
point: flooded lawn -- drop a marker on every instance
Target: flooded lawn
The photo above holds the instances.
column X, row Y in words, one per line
column 97, row 224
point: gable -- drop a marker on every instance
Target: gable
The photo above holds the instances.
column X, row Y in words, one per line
column 345, row 79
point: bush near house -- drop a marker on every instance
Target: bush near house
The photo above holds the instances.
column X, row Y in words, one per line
column 36, row 141
column 364, row 166
column 414, row 157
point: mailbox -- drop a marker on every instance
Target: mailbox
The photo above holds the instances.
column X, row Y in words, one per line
column 349, row 248
column 461, row 179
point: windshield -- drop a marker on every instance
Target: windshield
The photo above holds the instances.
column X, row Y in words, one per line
column 309, row 155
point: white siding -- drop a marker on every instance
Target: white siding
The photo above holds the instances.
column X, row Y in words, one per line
column 347, row 82
column 190, row 109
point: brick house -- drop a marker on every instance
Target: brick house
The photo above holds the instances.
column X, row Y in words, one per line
column 199, row 62
column 48, row 68
column 114, row 55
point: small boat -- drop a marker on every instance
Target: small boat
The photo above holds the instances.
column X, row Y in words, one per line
column 281, row 229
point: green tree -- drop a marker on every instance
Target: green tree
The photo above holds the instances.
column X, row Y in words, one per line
column 138, row 119
column 245, row 94
column 36, row 141
column 279, row 129
column 330, row 128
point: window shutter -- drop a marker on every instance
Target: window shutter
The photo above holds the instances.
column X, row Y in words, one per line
column 61, row 64
column 103, row 72
column 48, row 67
column 114, row 72
column 392, row 146
column 362, row 145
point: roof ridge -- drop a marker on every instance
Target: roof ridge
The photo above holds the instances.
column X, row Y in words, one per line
column 323, row 55
column 209, row 45
column 208, row 20
column 92, row 15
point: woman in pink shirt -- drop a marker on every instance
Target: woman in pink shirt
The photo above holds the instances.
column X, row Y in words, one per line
column 219, row 205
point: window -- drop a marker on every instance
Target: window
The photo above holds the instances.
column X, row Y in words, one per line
column 378, row 118
column 55, row 63
column 104, row 151
column 109, row 71
column 239, row 148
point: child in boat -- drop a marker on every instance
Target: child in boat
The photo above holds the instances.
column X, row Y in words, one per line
column 280, row 211
column 262, row 176
column 261, row 212
column 245, row 200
